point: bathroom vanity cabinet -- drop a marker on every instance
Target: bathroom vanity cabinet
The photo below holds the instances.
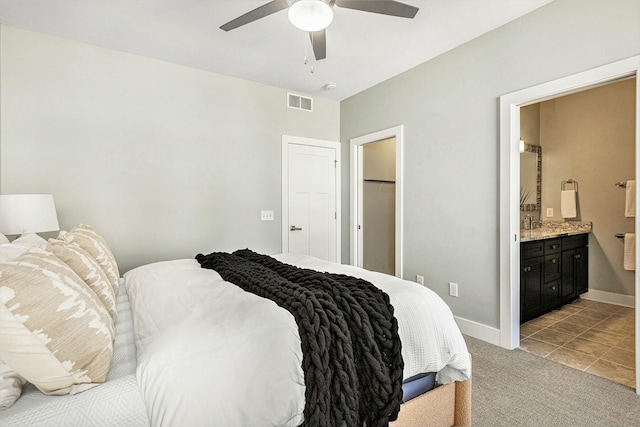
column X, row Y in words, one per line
column 554, row 271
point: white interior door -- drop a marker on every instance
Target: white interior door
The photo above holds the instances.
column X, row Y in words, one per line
column 310, row 224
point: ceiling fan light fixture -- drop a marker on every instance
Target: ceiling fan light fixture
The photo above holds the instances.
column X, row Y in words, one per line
column 310, row 15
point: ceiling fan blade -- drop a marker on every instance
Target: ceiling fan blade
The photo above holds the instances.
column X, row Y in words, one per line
column 319, row 43
column 255, row 14
column 384, row 7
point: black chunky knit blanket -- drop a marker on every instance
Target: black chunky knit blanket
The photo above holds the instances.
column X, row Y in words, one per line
column 352, row 358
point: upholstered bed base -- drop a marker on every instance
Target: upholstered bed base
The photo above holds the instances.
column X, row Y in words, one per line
column 447, row 405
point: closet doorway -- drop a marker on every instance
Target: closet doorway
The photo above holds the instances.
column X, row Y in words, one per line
column 379, row 206
column 376, row 201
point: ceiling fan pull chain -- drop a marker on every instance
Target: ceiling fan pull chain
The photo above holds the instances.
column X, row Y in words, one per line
column 306, row 56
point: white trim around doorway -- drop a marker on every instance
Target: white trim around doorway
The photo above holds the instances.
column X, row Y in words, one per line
column 509, row 243
column 356, row 196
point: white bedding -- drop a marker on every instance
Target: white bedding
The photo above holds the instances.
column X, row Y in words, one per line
column 211, row 354
column 112, row 404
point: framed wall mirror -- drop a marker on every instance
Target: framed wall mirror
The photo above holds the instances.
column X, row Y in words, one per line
column 531, row 178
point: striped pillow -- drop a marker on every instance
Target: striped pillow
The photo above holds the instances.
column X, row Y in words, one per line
column 88, row 269
column 86, row 237
column 54, row 331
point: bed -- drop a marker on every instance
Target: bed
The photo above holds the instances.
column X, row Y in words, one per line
column 193, row 349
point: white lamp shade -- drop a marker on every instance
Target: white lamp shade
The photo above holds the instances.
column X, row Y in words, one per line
column 310, row 15
column 35, row 213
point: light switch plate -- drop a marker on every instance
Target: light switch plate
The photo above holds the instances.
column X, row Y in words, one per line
column 549, row 212
column 266, row 215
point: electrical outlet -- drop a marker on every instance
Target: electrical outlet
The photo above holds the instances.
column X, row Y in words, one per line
column 453, row 289
column 549, row 212
column 266, row 215
column 420, row 280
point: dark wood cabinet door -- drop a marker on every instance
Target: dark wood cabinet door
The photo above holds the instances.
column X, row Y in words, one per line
column 568, row 276
column 531, row 292
column 581, row 270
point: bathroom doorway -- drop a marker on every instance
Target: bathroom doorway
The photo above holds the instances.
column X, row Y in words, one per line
column 587, row 137
column 510, row 105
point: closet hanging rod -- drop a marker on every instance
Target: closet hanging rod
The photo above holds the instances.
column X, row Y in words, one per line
column 621, row 184
column 620, row 236
column 380, row 181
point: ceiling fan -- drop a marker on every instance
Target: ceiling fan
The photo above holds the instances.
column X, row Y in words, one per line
column 314, row 16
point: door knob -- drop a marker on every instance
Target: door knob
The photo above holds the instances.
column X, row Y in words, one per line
column 294, row 228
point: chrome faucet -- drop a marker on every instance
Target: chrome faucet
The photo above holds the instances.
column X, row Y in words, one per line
column 528, row 222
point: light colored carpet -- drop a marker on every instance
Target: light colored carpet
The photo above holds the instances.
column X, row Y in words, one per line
column 515, row 388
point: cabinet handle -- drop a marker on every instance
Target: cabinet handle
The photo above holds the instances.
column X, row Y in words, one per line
column 555, row 246
column 553, row 261
column 577, row 256
column 553, row 288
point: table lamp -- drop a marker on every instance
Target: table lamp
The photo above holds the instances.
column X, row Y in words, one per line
column 27, row 213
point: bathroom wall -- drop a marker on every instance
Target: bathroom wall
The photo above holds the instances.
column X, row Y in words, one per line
column 589, row 136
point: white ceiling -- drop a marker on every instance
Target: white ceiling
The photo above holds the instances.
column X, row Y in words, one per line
column 363, row 48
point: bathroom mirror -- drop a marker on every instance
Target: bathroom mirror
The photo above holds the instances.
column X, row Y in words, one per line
column 531, row 178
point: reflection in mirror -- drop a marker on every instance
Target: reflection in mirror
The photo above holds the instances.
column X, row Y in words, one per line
column 531, row 178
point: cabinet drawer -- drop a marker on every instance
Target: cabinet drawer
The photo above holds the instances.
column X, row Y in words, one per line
column 552, row 268
column 551, row 294
column 531, row 249
column 577, row 241
column 552, row 246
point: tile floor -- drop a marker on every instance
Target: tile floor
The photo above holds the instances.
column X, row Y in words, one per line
column 594, row 337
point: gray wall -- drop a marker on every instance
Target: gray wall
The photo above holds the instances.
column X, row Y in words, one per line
column 449, row 109
column 163, row 160
column 590, row 137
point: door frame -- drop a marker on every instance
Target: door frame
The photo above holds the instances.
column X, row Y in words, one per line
column 356, row 193
column 298, row 140
column 509, row 243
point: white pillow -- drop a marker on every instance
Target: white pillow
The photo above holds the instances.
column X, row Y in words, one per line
column 9, row 251
column 3, row 238
column 10, row 386
column 29, row 240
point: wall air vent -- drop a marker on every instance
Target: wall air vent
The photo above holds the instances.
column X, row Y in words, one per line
column 299, row 102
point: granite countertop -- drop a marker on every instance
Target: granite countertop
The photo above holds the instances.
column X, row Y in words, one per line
column 551, row 229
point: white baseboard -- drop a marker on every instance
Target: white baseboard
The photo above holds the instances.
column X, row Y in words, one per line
column 610, row 298
column 478, row 330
